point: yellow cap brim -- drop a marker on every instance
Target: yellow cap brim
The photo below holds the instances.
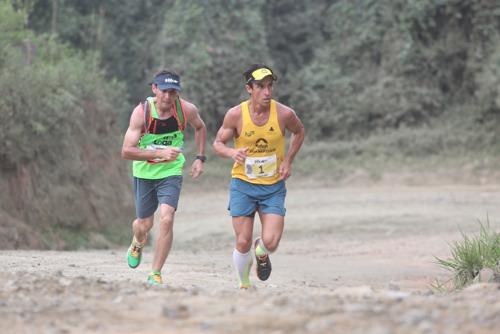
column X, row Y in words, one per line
column 261, row 73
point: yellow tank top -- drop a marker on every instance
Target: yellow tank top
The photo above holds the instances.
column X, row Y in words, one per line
column 266, row 148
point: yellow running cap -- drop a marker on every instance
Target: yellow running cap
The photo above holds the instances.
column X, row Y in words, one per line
column 260, row 74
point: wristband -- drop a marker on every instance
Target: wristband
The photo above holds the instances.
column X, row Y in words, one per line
column 203, row 158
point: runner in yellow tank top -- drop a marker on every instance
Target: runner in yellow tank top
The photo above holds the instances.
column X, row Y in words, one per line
column 258, row 127
column 266, row 148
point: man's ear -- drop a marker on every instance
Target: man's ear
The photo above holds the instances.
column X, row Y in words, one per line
column 249, row 88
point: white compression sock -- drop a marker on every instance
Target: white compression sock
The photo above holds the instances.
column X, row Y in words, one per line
column 243, row 263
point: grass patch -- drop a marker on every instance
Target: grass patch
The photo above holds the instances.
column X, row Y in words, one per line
column 64, row 237
column 470, row 255
column 441, row 152
column 118, row 234
column 68, row 238
column 423, row 155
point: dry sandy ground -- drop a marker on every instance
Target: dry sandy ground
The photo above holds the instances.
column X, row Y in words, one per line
column 352, row 260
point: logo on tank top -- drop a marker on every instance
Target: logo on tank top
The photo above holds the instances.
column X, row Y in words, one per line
column 261, row 143
column 262, row 146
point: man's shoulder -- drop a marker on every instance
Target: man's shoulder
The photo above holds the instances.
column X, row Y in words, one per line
column 138, row 110
column 235, row 110
column 188, row 106
column 282, row 108
column 233, row 115
column 137, row 116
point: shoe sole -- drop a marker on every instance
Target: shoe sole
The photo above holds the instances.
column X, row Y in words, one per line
column 133, row 267
column 153, row 282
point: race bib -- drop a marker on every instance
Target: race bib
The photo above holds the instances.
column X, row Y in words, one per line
column 260, row 167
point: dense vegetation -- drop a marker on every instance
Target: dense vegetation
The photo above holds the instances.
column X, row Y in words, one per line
column 374, row 77
column 350, row 68
column 59, row 162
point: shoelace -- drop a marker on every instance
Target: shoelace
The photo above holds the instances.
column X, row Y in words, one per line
column 262, row 260
column 136, row 250
column 156, row 277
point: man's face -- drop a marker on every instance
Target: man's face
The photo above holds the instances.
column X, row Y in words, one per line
column 165, row 98
column 262, row 91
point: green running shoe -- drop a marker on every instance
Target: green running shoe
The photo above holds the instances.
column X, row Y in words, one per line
column 154, row 278
column 134, row 253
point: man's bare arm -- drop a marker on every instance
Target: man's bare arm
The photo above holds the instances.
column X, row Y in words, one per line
column 227, row 132
column 295, row 126
column 200, row 136
column 200, row 130
column 130, row 151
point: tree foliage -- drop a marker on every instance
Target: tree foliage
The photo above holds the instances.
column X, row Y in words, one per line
column 350, row 68
column 211, row 50
column 396, row 63
column 58, row 116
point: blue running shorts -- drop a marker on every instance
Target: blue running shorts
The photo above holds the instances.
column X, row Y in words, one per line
column 246, row 198
column 149, row 193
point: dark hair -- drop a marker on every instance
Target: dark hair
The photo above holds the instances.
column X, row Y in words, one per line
column 247, row 75
column 165, row 72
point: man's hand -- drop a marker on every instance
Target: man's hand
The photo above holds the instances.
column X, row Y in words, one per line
column 285, row 170
column 239, row 155
column 196, row 168
column 167, row 154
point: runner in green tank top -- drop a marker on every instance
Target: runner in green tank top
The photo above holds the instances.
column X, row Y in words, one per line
column 154, row 141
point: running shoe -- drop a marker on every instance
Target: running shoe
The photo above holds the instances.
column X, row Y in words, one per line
column 263, row 266
column 134, row 254
column 154, row 278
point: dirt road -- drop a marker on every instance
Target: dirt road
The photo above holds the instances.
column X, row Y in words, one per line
column 352, row 260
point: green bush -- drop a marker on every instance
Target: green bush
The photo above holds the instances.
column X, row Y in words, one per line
column 59, row 133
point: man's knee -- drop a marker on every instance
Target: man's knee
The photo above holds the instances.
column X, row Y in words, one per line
column 243, row 243
column 144, row 223
column 166, row 223
column 271, row 242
